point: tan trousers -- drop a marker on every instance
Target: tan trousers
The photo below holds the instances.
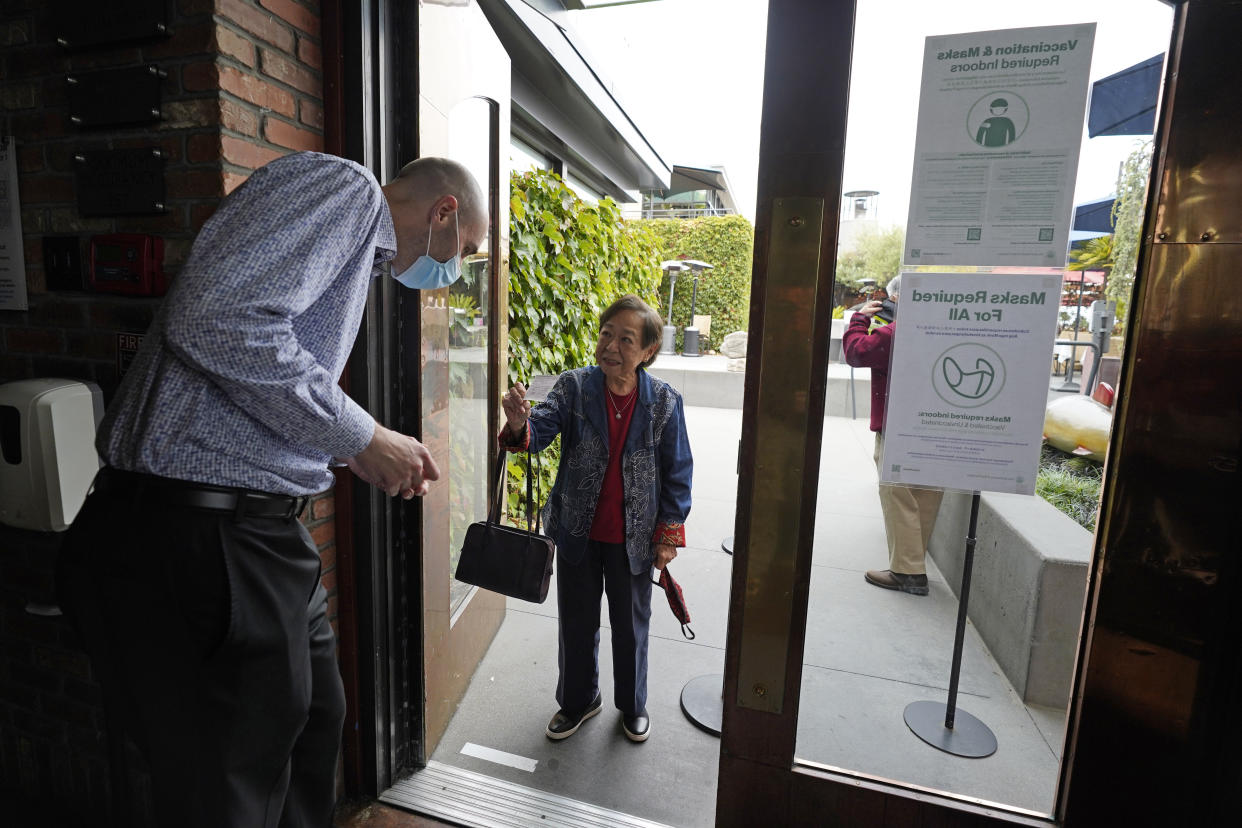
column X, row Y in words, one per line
column 909, row 518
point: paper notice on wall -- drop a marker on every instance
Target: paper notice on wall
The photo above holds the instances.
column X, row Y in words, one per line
column 12, row 253
column 968, row 383
column 996, row 153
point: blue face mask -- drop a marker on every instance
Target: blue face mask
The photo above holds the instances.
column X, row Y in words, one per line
column 428, row 274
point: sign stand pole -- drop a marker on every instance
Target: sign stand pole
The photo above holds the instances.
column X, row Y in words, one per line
column 943, row 726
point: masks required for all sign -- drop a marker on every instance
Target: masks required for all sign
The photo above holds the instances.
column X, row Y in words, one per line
column 968, row 382
column 996, row 158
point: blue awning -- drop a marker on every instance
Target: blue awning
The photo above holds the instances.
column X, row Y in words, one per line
column 1095, row 216
column 1078, row 238
column 1125, row 103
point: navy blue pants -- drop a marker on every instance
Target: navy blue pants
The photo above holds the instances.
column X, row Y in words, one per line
column 604, row 569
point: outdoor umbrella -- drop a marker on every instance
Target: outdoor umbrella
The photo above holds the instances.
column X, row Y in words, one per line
column 1089, row 277
column 676, row 601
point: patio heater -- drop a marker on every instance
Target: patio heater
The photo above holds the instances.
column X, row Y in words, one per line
column 668, row 344
column 1069, row 384
column 690, row 334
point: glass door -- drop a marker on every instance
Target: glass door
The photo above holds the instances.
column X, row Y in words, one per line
column 821, row 662
column 977, row 79
column 463, row 115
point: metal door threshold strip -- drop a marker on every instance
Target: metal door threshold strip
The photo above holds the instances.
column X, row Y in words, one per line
column 473, row 799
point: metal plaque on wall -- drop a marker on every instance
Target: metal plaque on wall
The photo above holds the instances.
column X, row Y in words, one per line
column 120, row 182
column 131, row 95
column 87, row 23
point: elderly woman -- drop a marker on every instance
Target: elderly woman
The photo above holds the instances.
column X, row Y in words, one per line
column 618, row 507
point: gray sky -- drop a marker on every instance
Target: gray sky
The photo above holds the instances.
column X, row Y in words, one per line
column 690, row 73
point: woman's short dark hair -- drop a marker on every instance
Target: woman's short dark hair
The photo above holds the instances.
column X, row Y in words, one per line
column 653, row 325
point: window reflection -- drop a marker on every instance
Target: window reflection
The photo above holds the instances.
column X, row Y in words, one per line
column 523, row 157
column 470, row 438
column 583, row 190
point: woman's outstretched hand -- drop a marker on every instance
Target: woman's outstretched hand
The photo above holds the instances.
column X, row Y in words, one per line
column 516, row 408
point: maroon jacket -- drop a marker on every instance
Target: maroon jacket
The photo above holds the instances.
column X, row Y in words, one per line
column 870, row 350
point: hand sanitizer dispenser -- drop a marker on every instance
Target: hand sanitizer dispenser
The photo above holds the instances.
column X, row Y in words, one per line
column 47, row 451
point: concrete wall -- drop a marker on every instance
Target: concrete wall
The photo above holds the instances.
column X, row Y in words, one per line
column 704, row 381
column 1028, row 585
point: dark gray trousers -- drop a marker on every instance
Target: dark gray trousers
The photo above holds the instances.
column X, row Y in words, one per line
column 208, row 634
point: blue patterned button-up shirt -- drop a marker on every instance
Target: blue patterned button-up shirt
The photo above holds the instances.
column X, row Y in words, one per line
column 236, row 381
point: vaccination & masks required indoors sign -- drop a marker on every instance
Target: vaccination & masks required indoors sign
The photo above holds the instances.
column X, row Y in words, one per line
column 996, row 152
column 968, row 381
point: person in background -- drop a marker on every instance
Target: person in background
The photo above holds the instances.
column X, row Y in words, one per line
column 909, row 511
column 618, row 507
column 193, row 585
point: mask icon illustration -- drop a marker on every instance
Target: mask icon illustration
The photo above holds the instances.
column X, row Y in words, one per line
column 969, row 384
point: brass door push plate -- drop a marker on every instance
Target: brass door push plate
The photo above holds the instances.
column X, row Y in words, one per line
column 785, row 365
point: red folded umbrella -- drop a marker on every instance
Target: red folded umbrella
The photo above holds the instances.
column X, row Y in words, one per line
column 676, row 601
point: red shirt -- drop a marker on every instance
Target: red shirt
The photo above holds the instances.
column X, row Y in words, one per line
column 609, row 523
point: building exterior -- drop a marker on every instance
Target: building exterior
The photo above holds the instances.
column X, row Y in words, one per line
column 565, row 118
column 692, row 192
column 860, row 216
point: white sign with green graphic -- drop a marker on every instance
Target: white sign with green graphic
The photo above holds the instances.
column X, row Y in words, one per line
column 996, row 154
column 968, row 382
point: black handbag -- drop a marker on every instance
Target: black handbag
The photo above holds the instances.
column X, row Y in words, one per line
column 505, row 559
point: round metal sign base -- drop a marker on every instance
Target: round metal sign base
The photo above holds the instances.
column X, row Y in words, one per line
column 969, row 737
column 702, row 702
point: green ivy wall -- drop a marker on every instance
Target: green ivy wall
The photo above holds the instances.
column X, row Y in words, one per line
column 727, row 243
column 568, row 261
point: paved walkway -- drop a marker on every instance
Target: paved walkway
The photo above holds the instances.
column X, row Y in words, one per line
column 869, row 653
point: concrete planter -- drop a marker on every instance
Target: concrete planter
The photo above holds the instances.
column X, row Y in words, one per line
column 834, row 344
column 1027, row 588
column 716, row 382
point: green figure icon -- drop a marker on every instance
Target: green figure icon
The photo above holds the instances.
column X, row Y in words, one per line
column 970, row 384
column 998, row 130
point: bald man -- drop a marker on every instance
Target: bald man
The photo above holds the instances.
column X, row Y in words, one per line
column 187, row 573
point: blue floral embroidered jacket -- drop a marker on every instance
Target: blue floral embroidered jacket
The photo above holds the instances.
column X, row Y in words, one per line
column 656, row 466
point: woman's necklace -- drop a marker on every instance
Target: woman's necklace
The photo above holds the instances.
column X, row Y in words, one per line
column 629, row 398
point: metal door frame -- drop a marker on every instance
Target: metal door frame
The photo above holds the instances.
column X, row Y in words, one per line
column 363, row 41
column 371, row 90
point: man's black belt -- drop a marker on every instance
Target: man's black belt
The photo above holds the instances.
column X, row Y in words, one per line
column 172, row 492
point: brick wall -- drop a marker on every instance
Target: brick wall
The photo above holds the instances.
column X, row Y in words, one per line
column 244, row 86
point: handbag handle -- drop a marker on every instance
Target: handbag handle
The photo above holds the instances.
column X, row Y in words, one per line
column 498, row 487
column 531, row 503
column 498, row 493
